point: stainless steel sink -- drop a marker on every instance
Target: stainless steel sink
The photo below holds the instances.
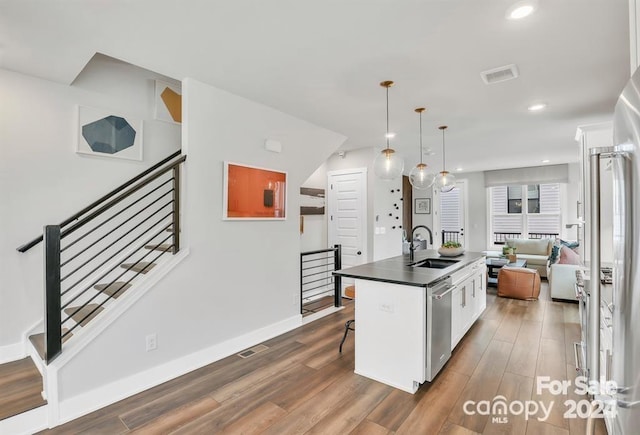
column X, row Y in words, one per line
column 435, row 263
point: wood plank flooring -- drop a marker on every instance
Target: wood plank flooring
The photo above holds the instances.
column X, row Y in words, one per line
column 20, row 388
column 301, row 384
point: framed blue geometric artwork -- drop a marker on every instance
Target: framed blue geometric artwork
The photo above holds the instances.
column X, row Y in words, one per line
column 108, row 134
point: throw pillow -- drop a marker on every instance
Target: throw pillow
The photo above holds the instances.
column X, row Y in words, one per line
column 555, row 249
column 569, row 244
column 555, row 253
column 569, row 256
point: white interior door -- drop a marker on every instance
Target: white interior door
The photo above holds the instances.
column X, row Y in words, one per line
column 347, row 220
column 451, row 214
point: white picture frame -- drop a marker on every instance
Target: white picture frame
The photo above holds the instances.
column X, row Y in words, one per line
column 169, row 110
column 106, row 133
column 422, row 206
column 253, row 193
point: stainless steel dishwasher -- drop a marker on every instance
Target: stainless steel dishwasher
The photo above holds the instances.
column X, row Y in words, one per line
column 438, row 326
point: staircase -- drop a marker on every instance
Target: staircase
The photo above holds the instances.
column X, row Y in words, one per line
column 80, row 315
column 95, row 260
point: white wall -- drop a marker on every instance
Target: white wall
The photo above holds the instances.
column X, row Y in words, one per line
column 360, row 158
column 240, row 277
column 421, row 218
column 379, row 204
column 387, row 238
column 42, row 179
column 476, row 233
column 571, row 194
column 315, row 236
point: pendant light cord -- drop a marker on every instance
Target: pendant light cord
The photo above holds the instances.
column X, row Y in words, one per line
column 420, row 137
column 387, row 135
column 443, row 155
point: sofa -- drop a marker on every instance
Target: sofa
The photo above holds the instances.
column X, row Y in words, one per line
column 561, row 271
column 535, row 251
column 562, row 280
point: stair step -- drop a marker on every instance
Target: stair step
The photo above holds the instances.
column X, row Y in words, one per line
column 163, row 247
column 110, row 289
column 141, row 266
column 20, row 389
column 82, row 312
column 38, row 341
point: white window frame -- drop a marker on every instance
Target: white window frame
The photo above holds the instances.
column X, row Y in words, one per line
column 524, row 214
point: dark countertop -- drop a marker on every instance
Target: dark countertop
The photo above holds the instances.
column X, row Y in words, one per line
column 396, row 270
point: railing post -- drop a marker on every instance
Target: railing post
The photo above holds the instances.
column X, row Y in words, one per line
column 176, row 209
column 301, row 279
column 52, row 316
column 337, row 265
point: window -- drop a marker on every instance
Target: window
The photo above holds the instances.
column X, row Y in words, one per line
column 514, row 199
column 539, row 218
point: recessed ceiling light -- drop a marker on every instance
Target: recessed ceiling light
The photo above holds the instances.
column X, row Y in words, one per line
column 390, row 135
column 536, row 107
column 546, row 161
column 520, row 10
column 458, row 169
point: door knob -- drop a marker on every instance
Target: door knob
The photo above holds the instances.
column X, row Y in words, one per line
column 359, row 252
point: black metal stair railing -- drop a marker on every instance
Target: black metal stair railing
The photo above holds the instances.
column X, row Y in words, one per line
column 316, row 276
column 500, row 238
column 450, row 236
column 92, row 257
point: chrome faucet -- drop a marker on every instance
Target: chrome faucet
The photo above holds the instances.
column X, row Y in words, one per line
column 411, row 246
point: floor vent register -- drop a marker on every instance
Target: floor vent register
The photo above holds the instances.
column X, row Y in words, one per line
column 252, row 351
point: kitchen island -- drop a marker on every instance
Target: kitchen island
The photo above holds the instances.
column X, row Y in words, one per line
column 410, row 314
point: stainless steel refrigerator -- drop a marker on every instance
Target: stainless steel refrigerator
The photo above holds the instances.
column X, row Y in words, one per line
column 625, row 368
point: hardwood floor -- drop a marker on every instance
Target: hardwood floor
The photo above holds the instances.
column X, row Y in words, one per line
column 301, row 384
column 20, row 387
column 324, row 302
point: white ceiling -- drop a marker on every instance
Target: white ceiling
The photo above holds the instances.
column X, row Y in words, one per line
column 323, row 60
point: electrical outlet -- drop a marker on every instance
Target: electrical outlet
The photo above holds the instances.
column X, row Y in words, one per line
column 152, row 342
column 386, row 307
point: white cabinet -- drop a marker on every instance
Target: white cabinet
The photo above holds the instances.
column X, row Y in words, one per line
column 479, row 290
column 462, row 307
column 468, row 301
column 456, row 317
column 588, row 137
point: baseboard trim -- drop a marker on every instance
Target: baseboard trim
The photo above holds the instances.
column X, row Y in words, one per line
column 12, row 352
column 106, row 395
column 320, row 314
column 28, row 422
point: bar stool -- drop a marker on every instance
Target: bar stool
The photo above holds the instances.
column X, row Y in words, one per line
column 350, row 292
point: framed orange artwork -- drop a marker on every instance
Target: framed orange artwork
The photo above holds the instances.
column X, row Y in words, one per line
column 253, row 193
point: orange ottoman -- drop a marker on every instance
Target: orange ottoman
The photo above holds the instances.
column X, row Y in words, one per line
column 519, row 283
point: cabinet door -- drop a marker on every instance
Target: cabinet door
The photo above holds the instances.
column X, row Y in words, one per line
column 456, row 317
column 467, row 304
column 479, row 292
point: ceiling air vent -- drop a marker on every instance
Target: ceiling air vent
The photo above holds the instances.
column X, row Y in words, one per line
column 500, row 74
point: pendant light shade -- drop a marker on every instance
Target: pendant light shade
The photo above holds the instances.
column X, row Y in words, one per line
column 420, row 177
column 388, row 165
column 444, row 180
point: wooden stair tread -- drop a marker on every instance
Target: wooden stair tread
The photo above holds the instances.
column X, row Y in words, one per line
column 141, row 266
column 38, row 341
column 82, row 312
column 163, row 247
column 110, row 289
column 20, row 388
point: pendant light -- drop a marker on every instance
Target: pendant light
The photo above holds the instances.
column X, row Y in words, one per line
column 419, row 177
column 444, row 180
column 388, row 165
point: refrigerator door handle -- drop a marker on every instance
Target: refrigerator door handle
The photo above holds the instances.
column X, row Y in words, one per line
column 593, row 330
column 627, row 405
